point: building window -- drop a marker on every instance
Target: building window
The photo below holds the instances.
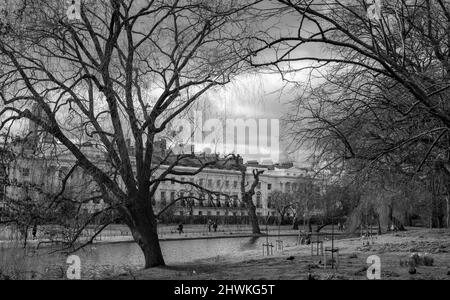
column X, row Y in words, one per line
column 172, row 196
column 218, row 213
column 200, row 182
column 235, row 201
column 209, row 182
column 288, row 187
column 200, row 213
column 163, row 197
column 258, row 200
column 269, row 186
column 227, row 184
column 172, row 181
column 201, row 199
column 191, row 200
column 25, row 172
column 209, row 213
column 235, row 184
column 218, row 183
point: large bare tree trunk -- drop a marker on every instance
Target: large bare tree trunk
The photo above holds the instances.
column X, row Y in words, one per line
column 447, row 199
column 393, row 220
column 252, row 214
column 149, row 243
column 145, row 233
column 309, row 225
column 247, row 196
column 437, row 213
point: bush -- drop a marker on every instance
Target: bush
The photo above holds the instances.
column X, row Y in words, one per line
column 422, row 259
column 418, row 259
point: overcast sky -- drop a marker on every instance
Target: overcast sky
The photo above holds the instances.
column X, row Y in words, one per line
column 261, row 95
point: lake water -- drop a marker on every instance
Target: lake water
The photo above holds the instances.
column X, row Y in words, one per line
column 102, row 260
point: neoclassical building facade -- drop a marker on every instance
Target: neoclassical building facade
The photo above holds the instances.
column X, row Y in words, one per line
column 41, row 175
column 228, row 184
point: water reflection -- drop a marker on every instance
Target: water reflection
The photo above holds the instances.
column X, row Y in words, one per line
column 250, row 244
column 102, row 260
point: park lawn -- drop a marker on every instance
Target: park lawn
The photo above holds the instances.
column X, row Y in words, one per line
column 296, row 262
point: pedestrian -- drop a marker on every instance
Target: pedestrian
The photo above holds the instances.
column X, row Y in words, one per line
column 180, row 228
column 209, row 225
column 215, row 226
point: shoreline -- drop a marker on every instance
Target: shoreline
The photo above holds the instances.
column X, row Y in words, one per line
column 129, row 239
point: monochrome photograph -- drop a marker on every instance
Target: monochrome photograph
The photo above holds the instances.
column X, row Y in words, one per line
column 224, row 145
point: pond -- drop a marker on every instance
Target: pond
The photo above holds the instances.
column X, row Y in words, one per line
column 103, row 260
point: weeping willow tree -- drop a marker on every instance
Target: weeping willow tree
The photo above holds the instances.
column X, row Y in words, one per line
column 391, row 198
column 376, row 97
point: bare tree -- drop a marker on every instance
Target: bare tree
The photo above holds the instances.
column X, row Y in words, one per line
column 380, row 101
column 248, row 191
column 56, row 205
column 283, row 203
column 123, row 72
column 307, row 197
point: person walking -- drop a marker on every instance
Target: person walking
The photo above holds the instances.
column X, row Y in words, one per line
column 180, row 228
column 215, row 226
column 209, row 225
